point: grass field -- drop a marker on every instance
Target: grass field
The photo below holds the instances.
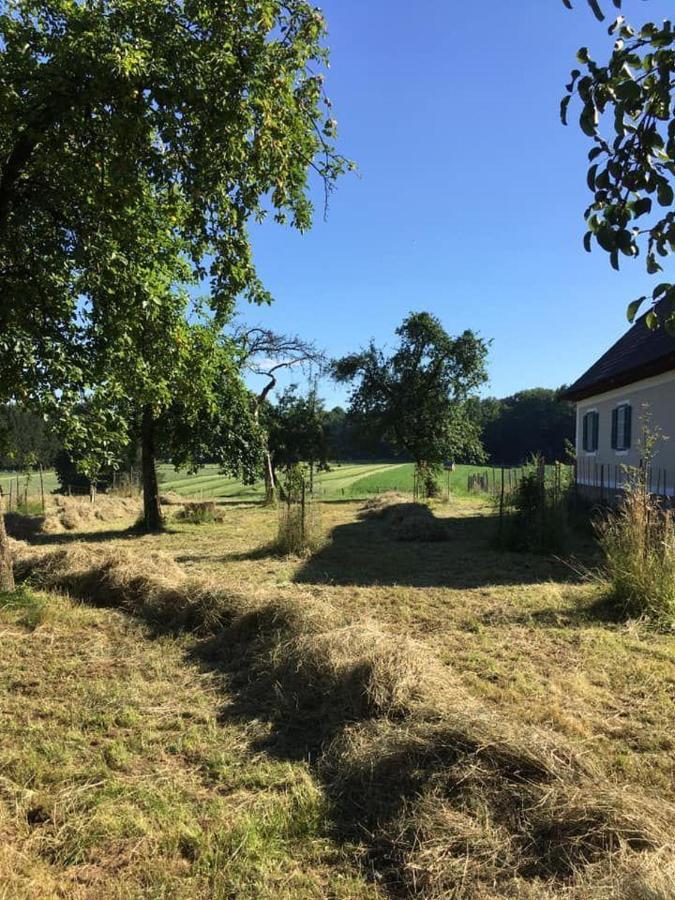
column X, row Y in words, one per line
column 141, row 758
column 50, row 482
column 348, row 480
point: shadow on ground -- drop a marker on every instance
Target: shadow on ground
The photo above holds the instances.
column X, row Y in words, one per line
column 367, row 553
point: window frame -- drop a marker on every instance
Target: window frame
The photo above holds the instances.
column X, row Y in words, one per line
column 620, row 446
column 593, row 432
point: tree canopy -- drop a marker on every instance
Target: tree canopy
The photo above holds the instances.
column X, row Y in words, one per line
column 138, row 142
column 528, row 423
column 416, row 399
column 627, row 110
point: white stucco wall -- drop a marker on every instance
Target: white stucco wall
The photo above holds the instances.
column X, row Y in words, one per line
column 653, row 397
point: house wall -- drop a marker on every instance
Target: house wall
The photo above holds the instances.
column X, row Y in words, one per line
column 653, row 397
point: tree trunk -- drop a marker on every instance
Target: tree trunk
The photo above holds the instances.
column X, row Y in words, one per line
column 270, row 482
column 152, row 511
column 6, row 572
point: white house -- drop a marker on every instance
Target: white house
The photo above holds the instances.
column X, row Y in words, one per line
column 633, row 380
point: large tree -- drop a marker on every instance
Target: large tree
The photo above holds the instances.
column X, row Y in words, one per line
column 628, row 111
column 416, row 399
column 120, row 121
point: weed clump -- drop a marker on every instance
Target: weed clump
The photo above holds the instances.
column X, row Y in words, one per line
column 638, row 544
column 202, row 513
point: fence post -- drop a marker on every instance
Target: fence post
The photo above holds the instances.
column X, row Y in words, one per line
column 501, row 504
column 42, row 490
column 302, row 511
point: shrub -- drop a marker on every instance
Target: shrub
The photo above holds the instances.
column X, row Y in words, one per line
column 534, row 516
column 299, row 525
column 638, row 544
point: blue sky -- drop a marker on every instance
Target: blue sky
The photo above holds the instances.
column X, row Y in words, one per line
column 470, row 193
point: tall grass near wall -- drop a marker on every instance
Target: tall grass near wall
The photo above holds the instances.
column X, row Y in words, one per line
column 638, row 545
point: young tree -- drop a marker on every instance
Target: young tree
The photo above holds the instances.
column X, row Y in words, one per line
column 296, row 431
column 265, row 355
column 121, row 119
column 627, row 110
column 417, row 398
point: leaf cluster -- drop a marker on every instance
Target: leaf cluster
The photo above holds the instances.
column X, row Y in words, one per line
column 627, row 109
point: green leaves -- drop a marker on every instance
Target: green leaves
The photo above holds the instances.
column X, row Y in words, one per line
column 627, row 108
column 137, row 143
column 417, row 398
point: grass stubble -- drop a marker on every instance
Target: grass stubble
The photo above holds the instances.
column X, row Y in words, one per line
column 387, row 774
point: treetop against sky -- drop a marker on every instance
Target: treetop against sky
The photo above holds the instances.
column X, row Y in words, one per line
column 470, row 194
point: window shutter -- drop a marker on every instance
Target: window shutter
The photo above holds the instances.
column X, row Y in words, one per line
column 615, row 428
column 596, row 430
column 586, row 431
column 627, row 427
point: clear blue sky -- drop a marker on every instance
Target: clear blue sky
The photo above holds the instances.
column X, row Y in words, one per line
column 470, row 193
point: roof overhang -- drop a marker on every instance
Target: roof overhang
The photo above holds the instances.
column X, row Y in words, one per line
column 630, row 376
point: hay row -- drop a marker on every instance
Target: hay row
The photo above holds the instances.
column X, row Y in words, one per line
column 449, row 799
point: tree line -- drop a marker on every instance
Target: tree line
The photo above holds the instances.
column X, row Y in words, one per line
column 301, row 429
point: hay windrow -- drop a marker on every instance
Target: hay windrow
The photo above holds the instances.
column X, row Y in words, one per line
column 450, row 797
column 69, row 514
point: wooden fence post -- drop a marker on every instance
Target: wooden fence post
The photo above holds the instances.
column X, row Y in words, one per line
column 42, row 491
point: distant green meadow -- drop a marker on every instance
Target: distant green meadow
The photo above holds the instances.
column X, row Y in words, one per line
column 31, row 481
column 348, row 480
column 343, row 480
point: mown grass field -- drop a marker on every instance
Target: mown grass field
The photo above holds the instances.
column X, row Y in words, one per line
column 139, row 758
column 33, row 482
column 348, row 480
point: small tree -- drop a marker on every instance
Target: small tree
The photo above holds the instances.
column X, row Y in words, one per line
column 417, row 398
column 295, row 433
column 265, row 354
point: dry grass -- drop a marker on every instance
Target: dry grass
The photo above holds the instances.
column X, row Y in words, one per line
column 406, row 521
column 638, row 544
column 449, row 792
column 119, row 778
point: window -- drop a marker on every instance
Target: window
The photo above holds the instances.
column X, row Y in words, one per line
column 622, row 427
column 591, row 431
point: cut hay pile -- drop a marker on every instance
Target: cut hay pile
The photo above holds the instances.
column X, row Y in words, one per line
column 202, row 512
column 72, row 513
column 405, row 521
column 449, row 798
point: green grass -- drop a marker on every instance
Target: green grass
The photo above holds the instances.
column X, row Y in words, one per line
column 50, row 482
column 350, row 480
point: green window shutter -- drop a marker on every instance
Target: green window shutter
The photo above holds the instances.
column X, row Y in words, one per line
column 586, row 431
column 627, row 427
column 596, row 430
column 615, row 428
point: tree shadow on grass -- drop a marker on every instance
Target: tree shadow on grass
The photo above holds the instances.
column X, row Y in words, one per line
column 29, row 529
column 367, row 553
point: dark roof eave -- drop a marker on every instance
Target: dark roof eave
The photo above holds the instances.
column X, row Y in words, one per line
column 639, row 373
